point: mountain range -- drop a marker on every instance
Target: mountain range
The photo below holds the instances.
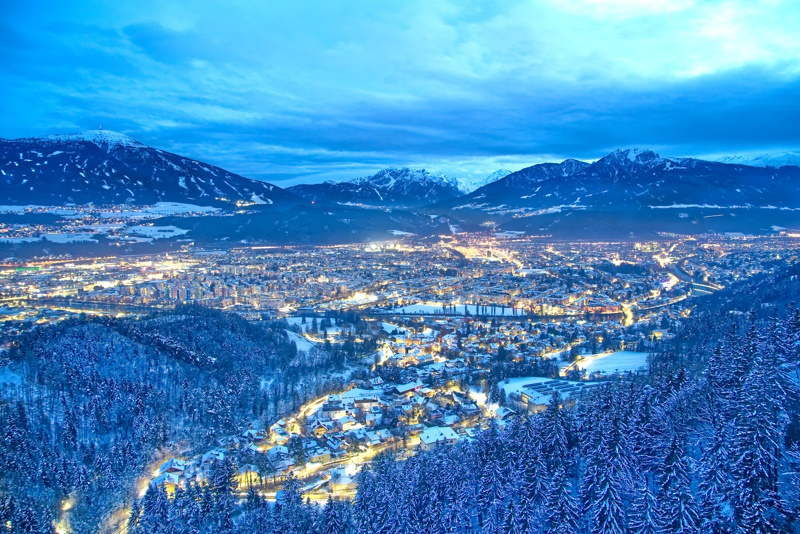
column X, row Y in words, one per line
column 630, row 193
column 775, row 159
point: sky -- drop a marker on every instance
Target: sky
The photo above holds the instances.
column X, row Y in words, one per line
column 303, row 91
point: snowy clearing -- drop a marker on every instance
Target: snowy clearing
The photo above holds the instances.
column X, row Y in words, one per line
column 302, row 343
column 156, row 232
column 614, row 362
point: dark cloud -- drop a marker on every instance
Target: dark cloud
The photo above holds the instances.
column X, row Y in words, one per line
column 314, row 89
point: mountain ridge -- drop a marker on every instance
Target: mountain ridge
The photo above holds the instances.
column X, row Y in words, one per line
column 102, row 167
column 393, row 187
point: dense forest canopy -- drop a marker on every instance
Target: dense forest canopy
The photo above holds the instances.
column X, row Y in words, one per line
column 100, row 398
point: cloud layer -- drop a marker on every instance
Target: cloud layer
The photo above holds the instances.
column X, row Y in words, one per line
column 304, row 91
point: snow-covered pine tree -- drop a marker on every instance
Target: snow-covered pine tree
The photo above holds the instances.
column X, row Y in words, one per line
column 643, row 517
column 678, row 507
column 561, row 507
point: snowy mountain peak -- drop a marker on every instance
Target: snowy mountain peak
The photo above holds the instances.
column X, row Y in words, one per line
column 496, row 175
column 104, row 139
column 388, row 177
column 633, row 155
column 628, row 160
column 468, row 185
column 778, row 159
column 392, row 186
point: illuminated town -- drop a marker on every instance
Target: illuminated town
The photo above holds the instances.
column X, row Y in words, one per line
column 434, row 316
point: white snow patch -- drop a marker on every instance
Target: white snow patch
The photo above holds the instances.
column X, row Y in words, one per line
column 614, row 362
column 156, row 232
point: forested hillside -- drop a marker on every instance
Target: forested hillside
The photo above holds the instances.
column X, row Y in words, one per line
column 98, row 399
column 707, row 443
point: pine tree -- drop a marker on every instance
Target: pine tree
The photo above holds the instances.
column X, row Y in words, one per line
column 679, row 511
column 332, row 520
column 133, row 518
column 644, row 511
column 561, row 508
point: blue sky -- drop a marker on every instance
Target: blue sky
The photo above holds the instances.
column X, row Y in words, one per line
column 305, row 91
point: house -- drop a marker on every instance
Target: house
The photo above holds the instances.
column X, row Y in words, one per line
column 253, row 434
column 173, row 465
column 434, row 436
column 373, row 439
column 318, row 428
column 319, row 455
column 346, row 423
column 169, row 480
column 403, row 389
column 279, row 435
column 503, row 413
column 373, row 419
column 332, row 411
column 214, row 455
column 277, row 451
column 376, row 382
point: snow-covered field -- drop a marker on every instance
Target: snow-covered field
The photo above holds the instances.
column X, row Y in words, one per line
column 70, row 238
column 614, row 362
column 302, row 343
column 156, row 232
column 333, row 330
column 158, row 209
column 389, row 328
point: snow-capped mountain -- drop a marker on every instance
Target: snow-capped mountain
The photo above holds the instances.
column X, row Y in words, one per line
column 103, row 167
column 468, row 185
column 389, row 187
column 635, row 179
column 778, row 159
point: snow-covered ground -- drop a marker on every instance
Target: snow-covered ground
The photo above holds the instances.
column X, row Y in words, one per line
column 156, row 232
column 302, row 343
column 7, row 376
column 70, row 238
column 158, row 209
column 389, row 328
column 614, row 362
column 333, row 330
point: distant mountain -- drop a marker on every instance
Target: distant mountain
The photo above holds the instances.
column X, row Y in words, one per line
column 389, row 187
column 636, row 190
column 469, row 185
column 102, row 167
column 778, row 159
column 628, row 193
column 634, row 179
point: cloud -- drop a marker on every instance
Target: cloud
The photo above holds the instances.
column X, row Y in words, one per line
column 308, row 90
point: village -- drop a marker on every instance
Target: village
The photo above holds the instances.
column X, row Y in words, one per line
column 426, row 386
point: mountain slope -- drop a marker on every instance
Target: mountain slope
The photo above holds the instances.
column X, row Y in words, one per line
column 634, row 192
column 102, row 167
column 389, row 187
column 637, row 179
